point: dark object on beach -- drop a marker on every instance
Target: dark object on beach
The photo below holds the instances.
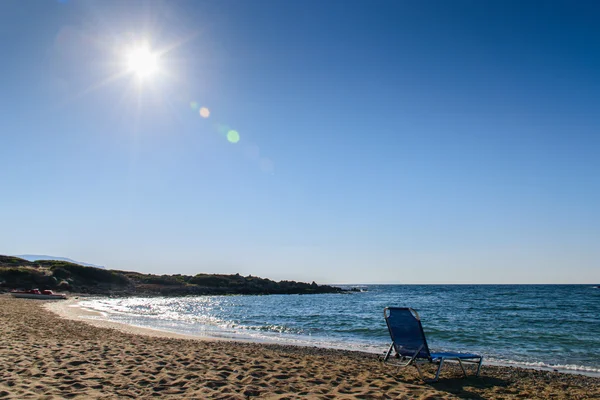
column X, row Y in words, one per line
column 37, row 294
column 410, row 345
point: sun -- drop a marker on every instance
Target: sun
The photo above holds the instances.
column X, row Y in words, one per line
column 142, row 61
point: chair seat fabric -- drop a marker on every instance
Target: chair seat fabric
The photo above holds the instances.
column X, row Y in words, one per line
column 453, row 355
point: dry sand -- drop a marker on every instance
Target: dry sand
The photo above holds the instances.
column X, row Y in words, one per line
column 45, row 356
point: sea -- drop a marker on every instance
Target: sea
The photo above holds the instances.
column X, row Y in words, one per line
column 539, row 326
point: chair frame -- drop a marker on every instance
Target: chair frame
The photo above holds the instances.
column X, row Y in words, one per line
column 417, row 361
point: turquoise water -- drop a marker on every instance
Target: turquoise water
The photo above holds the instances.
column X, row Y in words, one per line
column 556, row 326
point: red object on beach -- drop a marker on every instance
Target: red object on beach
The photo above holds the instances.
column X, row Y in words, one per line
column 37, row 294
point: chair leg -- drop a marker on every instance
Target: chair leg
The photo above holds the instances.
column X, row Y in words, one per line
column 420, row 372
column 462, row 367
column 437, row 374
column 389, row 352
column 479, row 366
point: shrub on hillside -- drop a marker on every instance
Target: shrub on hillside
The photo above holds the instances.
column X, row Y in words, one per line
column 210, row 280
column 89, row 275
column 61, row 273
column 25, row 278
column 166, row 280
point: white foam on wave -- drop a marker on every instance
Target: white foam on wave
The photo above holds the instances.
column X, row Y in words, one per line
column 566, row 368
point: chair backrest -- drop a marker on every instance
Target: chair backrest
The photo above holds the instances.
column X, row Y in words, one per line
column 406, row 331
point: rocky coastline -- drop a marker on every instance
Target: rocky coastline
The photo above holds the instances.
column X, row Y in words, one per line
column 62, row 276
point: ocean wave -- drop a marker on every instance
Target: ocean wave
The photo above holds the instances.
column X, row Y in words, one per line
column 547, row 366
column 270, row 328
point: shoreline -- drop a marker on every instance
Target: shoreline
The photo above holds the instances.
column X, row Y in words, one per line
column 45, row 355
column 71, row 309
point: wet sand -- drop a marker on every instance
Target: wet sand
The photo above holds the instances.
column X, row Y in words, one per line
column 47, row 356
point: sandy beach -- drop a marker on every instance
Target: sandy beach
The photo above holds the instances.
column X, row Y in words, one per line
column 45, row 355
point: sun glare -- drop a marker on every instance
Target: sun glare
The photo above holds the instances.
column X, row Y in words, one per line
column 142, row 62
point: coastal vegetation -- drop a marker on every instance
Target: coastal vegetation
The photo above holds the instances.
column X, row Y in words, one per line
column 18, row 273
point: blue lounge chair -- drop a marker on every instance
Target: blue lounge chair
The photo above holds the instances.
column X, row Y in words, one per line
column 410, row 345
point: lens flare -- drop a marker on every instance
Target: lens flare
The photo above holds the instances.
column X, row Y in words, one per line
column 204, row 112
column 194, row 105
column 233, row 136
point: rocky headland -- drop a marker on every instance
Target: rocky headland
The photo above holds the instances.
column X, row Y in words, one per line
column 18, row 273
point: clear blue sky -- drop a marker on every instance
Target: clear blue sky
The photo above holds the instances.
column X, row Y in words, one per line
column 400, row 142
